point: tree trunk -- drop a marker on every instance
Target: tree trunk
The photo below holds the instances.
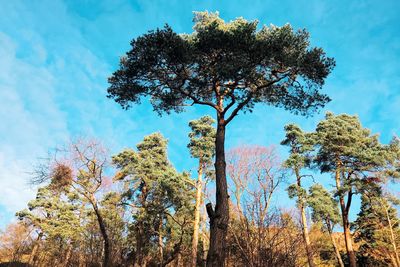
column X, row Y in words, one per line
column 204, row 234
column 219, row 218
column 392, row 237
column 335, row 248
column 393, row 260
column 346, row 223
column 196, row 223
column 160, row 244
column 34, row 250
column 82, row 261
column 306, row 237
column 140, row 231
column 33, row 254
column 106, row 258
column 67, row 256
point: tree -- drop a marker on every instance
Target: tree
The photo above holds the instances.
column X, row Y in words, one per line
column 355, row 157
column 300, row 145
column 80, row 170
column 256, row 174
column 160, row 200
column 55, row 218
column 14, row 241
column 377, row 229
column 202, row 140
column 228, row 66
column 325, row 209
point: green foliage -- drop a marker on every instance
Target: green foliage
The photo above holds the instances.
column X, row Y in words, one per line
column 324, row 206
column 300, row 145
column 294, row 191
column 345, row 146
column 342, row 140
column 202, row 139
column 159, row 194
column 53, row 215
column 232, row 60
column 376, row 219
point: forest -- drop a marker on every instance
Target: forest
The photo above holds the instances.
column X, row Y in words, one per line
column 134, row 208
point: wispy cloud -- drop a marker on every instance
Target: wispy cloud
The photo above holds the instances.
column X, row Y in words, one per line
column 55, row 57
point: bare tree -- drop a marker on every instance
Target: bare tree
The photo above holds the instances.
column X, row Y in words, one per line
column 256, row 173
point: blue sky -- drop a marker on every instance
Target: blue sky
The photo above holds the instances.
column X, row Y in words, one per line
column 55, row 57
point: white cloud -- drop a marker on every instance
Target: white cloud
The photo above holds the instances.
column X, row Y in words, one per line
column 31, row 121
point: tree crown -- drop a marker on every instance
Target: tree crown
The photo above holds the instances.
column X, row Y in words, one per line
column 202, row 139
column 223, row 65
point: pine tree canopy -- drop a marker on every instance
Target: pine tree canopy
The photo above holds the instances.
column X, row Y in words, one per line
column 202, row 139
column 233, row 60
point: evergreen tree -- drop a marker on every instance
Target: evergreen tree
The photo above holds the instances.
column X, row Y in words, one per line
column 202, row 147
column 325, row 209
column 228, row 66
column 57, row 222
column 377, row 230
column 160, row 197
column 300, row 145
column 353, row 155
column 79, row 170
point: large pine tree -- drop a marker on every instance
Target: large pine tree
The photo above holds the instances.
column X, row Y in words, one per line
column 230, row 67
column 353, row 156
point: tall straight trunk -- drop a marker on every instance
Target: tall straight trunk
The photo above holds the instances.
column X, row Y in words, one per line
column 219, row 218
column 204, row 234
column 160, row 244
column 345, row 219
column 196, row 223
column 306, row 236
column 335, row 247
column 140, row 231
column 392, row 237
column 103, row 231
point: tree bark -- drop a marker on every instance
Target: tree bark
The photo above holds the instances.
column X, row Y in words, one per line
column 219, row 218
column 345, row 219
column 103, row 230
column 34, row 250
column 306, row 236
column 392, row 237
column 160, row 244
column 67, row 256
column 33, row 254
column 204, row 234
column 140, row 231
column 82, row 261
column 335, row 247
column 196, row 223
